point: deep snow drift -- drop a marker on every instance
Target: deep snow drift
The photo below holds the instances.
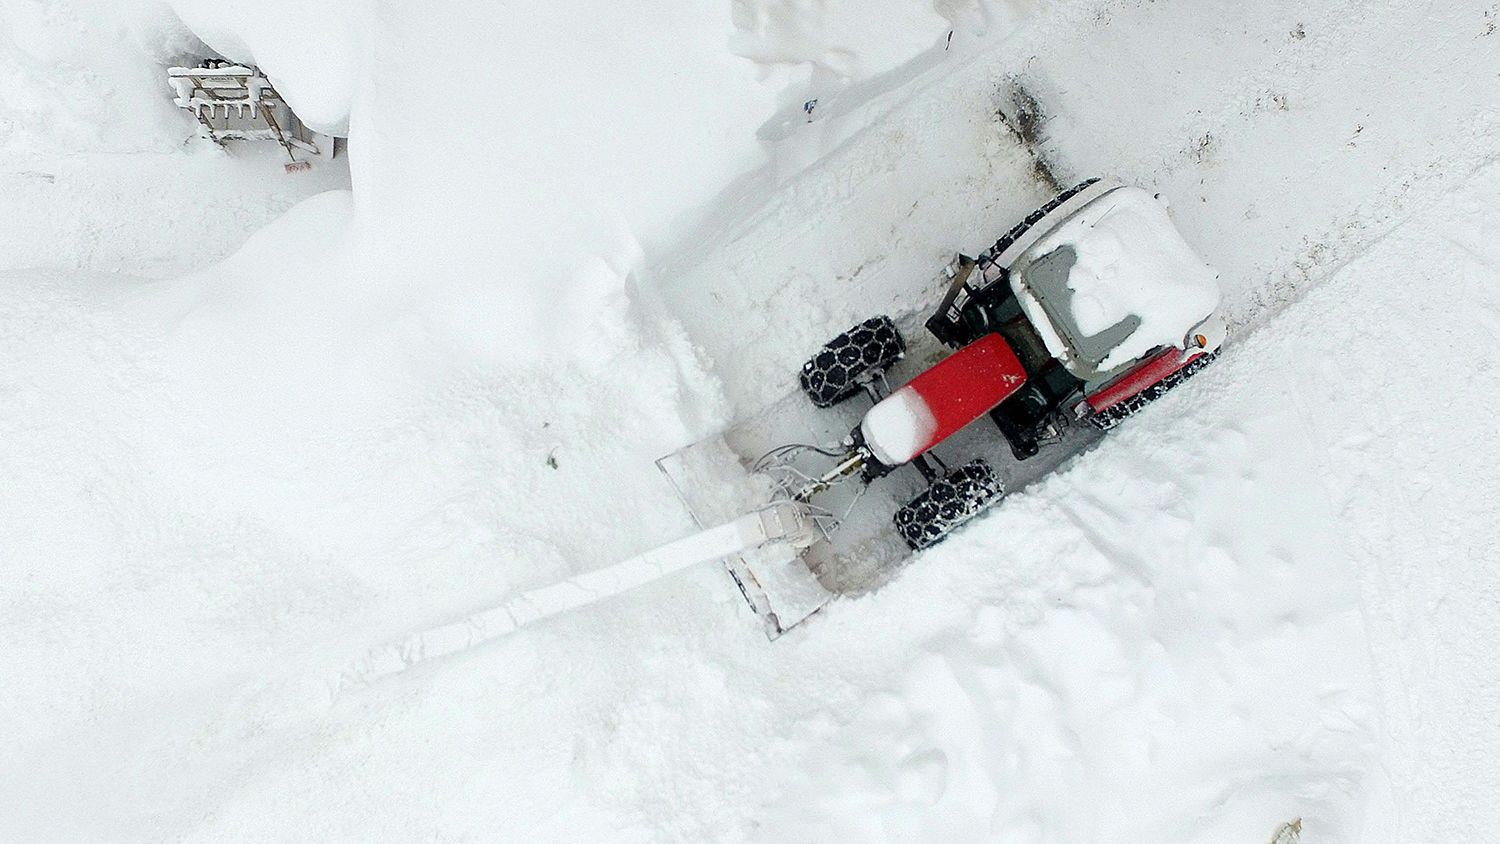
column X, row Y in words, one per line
column 578, row 238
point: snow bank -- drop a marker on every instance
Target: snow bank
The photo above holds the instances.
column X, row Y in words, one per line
column 846, row 39
column 85, row 76
column 510, row 200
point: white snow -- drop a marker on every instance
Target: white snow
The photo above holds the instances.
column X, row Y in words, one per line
column 1268, row 597
column 1130, row 261
column 846, row 40
column 784, row 523
column 899, row 427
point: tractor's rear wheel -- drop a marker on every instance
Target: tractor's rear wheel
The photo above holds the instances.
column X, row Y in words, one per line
column 948, row 503
column 839, row 369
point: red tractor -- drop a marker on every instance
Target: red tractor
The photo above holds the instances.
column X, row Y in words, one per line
column 1087, row 310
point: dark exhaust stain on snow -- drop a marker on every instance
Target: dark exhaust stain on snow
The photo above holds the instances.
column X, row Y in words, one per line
column 1022, row 116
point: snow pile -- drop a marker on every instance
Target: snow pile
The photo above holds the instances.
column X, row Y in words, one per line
column 1129, row 263
column 845, row 39
column 84, row 76
column 509, row 199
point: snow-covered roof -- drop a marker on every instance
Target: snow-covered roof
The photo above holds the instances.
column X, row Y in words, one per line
column 225, row 70
column 1113, row 282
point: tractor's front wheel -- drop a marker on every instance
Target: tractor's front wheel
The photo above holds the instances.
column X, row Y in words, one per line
column 840, row 368
column 948, row 503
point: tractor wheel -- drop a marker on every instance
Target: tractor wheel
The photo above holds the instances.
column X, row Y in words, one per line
column 1110, row 417
column 847, row 361
column 947, row 504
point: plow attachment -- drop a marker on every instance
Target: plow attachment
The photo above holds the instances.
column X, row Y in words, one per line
column 855, row 548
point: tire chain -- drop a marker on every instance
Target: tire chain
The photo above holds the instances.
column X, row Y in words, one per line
column 1115, row 414
column 836, row 371
column 947, row 503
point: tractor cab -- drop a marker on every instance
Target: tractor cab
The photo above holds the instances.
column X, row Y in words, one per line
column 1113, row 284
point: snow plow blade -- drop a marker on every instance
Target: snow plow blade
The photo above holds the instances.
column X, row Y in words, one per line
column 716, row 480
column 774, row 579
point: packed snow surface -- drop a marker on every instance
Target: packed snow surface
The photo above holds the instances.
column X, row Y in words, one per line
column 569, row 239
column 840, row 41
column 1129, row 261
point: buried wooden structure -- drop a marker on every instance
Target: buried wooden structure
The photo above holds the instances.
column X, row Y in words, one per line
column 233, row 102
